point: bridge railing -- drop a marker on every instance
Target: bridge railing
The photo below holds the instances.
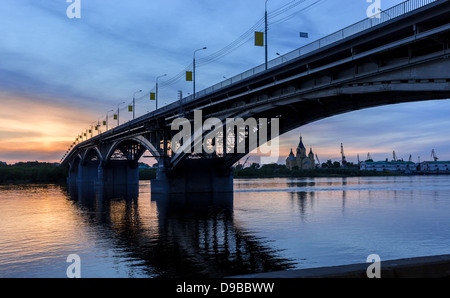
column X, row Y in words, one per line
column 381, row 17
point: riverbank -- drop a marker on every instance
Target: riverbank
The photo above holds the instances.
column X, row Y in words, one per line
column 280, row 171
column 36, row 172
column 32, row 172
column 39, row 173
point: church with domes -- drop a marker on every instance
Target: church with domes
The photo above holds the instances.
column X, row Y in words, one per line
column 301, row 160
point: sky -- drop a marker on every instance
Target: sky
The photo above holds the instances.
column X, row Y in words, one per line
column 61, row 75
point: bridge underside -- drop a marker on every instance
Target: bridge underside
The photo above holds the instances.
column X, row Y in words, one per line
column 296, row 105
column 195, row 176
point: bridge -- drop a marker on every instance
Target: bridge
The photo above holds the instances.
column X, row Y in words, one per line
column 400, row 55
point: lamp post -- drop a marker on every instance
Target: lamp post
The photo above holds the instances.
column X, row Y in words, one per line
column 204, row 48
column 118, row 106
column 265, row 21
column 99, row 126
column 134, row 102
column 92, row 129
column 156, row 93
column 107, row 118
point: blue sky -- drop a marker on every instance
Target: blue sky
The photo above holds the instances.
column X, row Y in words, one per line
column 59, row 75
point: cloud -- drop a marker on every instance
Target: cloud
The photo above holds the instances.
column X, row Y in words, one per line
column 11, row 135
column 39, row 128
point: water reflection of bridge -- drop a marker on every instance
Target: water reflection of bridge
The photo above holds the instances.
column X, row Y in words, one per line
column 181, row 237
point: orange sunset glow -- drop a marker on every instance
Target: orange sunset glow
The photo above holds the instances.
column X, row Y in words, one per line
column 33, row 130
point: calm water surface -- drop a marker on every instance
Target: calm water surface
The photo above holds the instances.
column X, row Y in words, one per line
column 268, row 224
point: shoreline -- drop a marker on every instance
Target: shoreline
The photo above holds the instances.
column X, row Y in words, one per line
column 64, row 182
column 46, row 174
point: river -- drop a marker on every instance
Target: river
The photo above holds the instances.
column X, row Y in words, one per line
column 266, row 225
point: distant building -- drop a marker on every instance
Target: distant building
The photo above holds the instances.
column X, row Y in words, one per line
column 435, row 167
column 389, row 166
column 301, row 160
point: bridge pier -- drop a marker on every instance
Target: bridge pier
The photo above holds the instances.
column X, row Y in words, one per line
column 119, row 172
column 85, row 173
column 115, row 172
column 193, row 176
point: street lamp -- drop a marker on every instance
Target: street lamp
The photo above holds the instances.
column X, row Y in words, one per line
column 107, row 118
column 92, row 128
column 156, row 93
column 118, row 106
column 99, row 125
column 204, row 48
column 265, row 21
column 134, row 102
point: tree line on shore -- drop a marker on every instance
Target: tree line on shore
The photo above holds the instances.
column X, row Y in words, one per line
column 42, row 172
column 39, row 172
column 32, row 172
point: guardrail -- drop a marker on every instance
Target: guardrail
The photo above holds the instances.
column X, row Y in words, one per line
column 383, row 16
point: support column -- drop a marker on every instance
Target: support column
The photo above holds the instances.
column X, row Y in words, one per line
column 193, row 176
column 120, row 172
column 88, row 172
column 100, row 172
column 73, row 175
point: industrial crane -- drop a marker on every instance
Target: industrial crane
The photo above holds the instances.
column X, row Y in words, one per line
column 318, row 161
column 433, row 154
column 245, row 162
column 394, row 156
column 344, row 161
column 239, row 166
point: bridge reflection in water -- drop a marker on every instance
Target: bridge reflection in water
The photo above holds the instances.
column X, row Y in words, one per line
column 191, row 235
